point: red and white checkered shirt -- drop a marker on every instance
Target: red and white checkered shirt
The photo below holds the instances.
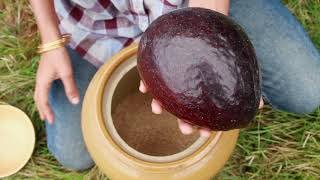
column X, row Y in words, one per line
column 101, row 28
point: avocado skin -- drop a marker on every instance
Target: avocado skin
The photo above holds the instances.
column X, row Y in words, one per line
column 201, row 66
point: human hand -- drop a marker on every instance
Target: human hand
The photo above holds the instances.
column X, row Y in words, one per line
column 184, row 127
column 221, row 6
column 54, row 65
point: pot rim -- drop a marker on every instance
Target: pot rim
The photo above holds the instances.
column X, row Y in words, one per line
column 109, row 89
column 122, row 155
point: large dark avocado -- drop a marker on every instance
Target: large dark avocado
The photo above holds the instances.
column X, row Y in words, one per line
column 201, row 66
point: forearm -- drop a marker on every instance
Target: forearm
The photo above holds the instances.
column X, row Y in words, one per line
column 221, row 6
column 47, row 19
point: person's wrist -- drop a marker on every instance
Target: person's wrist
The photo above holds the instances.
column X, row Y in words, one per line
column 55, row 51
column 52, row 45
column 48, row 37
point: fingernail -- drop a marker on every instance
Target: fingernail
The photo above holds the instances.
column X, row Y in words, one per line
column 49, row 119
column 186, row 130
column 261, row 104
column 75, row 100
column 141, row 88
column 205, row 134
column 156, row 110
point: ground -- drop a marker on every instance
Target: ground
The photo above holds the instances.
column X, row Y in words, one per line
column 278, row 145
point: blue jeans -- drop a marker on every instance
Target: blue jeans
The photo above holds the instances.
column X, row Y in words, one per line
column 289, row 62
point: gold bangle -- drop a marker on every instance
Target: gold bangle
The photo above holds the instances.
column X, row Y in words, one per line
column 42, row 50
column 54, row 45
column 64, row 38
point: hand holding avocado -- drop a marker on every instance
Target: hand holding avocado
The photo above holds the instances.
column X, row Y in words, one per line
column 200, row 66
column 185, row 128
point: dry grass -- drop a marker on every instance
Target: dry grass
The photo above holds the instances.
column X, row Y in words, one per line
column 278, row 146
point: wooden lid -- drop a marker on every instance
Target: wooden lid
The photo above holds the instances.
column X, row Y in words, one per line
column 17, row 140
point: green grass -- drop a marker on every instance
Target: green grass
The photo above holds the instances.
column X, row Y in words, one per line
column 278, row 145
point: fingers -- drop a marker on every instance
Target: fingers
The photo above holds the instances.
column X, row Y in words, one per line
column 261, row 103
column 70, row 88
column 41, row 98
column 156, row 107
column 42, row 94
column 38, row 108
column 185, row 128
column 205, row 133
column 142, row 87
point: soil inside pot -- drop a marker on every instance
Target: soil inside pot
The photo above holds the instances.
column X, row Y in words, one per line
column 156, row 135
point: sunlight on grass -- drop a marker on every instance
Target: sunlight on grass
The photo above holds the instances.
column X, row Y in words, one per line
column 278, row 145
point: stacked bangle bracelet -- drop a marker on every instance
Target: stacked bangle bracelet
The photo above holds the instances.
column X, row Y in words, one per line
column 65, row 39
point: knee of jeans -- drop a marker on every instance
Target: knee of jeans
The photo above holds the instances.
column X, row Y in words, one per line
column 308, row 106
column 303, row 102
column 72, row 158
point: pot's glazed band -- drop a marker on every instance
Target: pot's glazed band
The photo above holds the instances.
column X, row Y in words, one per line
column 205, row 162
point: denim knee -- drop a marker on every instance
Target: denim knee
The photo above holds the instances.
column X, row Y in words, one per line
column 70, row 156
column 64, row 136
column 304, row 104
column 293, row 85
column 289, row 62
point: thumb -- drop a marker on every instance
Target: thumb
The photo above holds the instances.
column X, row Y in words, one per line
column 71, row 89
column 261, row 103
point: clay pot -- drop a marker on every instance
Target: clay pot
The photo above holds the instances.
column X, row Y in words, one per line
column 128, row 142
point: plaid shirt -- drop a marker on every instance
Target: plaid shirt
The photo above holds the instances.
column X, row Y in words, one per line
column 101, row 28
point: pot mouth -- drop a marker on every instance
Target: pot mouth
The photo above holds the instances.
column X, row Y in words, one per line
column 132, row 126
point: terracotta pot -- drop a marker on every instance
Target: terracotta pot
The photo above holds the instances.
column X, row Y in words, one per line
column 128, row 142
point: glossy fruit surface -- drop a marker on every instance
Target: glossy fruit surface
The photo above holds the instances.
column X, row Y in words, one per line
column 201, row 66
